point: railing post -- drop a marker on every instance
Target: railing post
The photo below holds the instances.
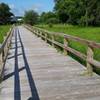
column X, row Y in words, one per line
column 6, row 47
column 37, row 33
column 1, row 66
column 45, row 37
column 65, row 45
column 89, row 56
column 0, row 62
column 53, row 40
column 41, row 34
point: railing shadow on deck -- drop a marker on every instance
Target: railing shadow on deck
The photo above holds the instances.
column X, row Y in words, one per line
column 34, row 92
column 17, row 92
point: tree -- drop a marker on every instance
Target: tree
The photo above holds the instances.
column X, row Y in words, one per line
column 31, row 17
column 49, row 17
column 84, row 12
column 5, row 14
column 60, row 9
column 69, row 11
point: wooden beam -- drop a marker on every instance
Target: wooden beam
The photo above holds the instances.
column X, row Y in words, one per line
column 89, row 56
column 65, row 45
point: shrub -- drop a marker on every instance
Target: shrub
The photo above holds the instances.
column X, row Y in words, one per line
column 50, row 25
column 53, row 21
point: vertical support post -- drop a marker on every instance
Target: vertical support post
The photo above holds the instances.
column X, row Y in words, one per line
column 89, row 56
column 33, row 31
column 53, row 40
column 0, row 63
column 37, row 33
column 65, row 45
column 40, row 33
column 1, row 66
column 45, row 37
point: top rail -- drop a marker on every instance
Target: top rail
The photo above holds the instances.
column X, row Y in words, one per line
column 84, row 41
column 90, row 61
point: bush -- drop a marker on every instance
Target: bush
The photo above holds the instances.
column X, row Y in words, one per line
column 53, row 21
column 50, row 25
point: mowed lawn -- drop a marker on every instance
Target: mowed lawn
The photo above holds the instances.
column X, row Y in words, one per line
column 3, row 30
column 89, row 33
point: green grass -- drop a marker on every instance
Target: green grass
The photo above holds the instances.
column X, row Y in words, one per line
column 3, row 30
column 89, row 33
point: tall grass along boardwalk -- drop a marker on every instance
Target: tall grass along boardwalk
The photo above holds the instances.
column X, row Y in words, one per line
column 34, row 70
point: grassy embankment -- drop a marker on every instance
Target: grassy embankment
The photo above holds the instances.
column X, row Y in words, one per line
column 3, row 30
column 89, row 33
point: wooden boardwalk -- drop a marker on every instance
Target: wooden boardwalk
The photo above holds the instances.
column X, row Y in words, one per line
column 36, row 71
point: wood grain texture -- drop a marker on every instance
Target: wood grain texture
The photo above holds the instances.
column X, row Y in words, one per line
column 67, row 37
column 41, row 73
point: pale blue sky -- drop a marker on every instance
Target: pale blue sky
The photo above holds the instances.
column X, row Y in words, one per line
column 19, row 6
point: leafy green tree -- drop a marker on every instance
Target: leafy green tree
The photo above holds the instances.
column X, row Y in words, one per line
column 83, row 12
column 49, row 17
column 31, row 17
column 5, row 14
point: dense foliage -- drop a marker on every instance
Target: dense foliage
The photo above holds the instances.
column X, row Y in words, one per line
column 76, row 12
column 5, row 14
column 49, row 17
column 31, row 17
column 83, row 12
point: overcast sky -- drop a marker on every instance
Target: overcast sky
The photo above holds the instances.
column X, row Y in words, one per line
column 19, row 6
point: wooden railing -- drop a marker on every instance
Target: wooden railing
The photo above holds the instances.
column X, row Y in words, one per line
column 4, row 49
column 90, row 61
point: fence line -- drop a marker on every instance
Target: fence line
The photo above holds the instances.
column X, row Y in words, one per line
column 50, row 36
column 4, row 49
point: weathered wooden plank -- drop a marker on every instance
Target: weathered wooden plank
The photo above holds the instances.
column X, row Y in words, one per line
column 50, row 75
column 68, row 37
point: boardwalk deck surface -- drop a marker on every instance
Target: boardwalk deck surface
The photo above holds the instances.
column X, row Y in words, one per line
column 36, row 71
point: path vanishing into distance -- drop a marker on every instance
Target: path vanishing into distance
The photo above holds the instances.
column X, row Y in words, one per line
column 34, row 70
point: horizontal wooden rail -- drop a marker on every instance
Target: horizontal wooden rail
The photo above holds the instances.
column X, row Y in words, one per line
column 4, row 49
column 51, row 38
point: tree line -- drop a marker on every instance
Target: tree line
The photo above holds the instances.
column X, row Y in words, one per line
column 76, row 12
column 81, row 12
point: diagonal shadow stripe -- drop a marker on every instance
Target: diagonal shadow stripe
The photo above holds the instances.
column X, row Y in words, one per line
column 14, row 56
column 11, row 74
column 34, row 92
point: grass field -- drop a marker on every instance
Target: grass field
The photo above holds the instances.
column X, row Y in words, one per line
column 89, row 33
column 3, row 30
